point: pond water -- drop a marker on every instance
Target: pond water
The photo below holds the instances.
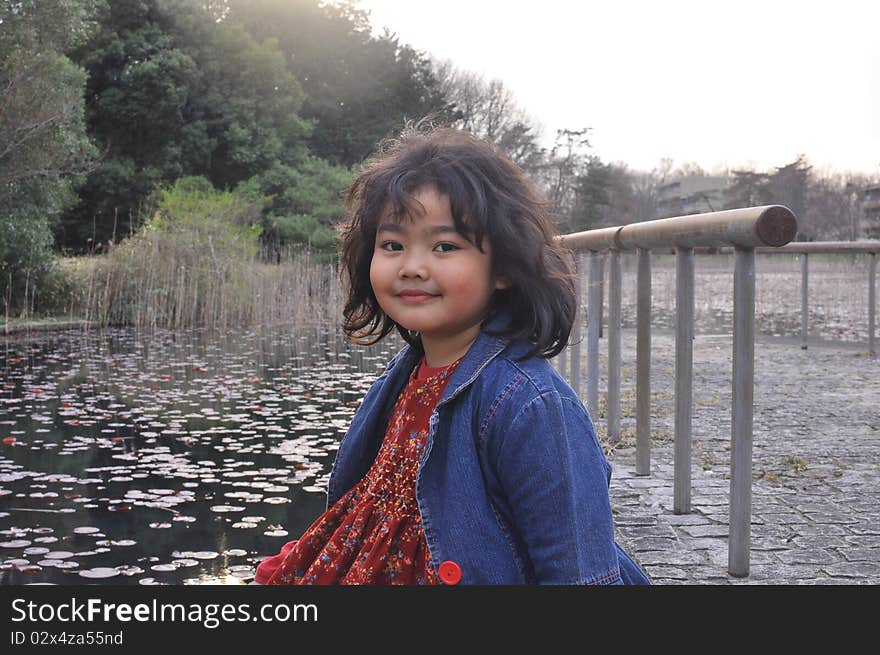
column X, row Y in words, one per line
column 180, row 459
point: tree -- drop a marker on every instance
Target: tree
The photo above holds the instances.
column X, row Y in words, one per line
column 489, row 110
column 747, row 188
column 833, row 207
column 44, row 149
column 788, row 185
column 560, row 172
column 174, row 92
column 359, row 88
column 139, row 111
column 592, row 202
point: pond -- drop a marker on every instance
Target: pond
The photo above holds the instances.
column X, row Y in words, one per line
column 179, row 459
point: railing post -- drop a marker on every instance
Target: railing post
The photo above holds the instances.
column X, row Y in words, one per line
column 741, row 428
column 684, row 365
column 575, row 364
column 612, row 399
column 593, row 318
column 804, row 280
column 643, row 364
column 602, row 295
column 872, row 301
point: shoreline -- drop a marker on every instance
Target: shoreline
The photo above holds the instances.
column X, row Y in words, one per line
column 53, row 325
column 45, row 325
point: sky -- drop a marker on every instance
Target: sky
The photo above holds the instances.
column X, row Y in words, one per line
column 722, row 84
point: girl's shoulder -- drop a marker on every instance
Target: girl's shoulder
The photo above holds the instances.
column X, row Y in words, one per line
column 521, row 380
column 522, row 401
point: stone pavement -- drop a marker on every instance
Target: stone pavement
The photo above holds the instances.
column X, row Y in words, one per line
column 816, row 465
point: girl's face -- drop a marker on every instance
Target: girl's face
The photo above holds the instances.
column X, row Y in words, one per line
column 430, row 279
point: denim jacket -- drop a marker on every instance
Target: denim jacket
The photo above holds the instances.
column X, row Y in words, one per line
column 512, row 485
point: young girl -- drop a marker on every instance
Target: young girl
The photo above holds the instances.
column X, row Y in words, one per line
column 470, row 460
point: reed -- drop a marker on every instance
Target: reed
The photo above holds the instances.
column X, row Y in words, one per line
column 154, row 282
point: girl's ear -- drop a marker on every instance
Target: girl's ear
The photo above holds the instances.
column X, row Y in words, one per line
column 501, row 283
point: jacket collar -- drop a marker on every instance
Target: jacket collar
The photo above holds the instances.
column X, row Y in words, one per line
column 485, row 348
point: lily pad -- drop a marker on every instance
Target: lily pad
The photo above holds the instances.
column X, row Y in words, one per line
column 99, row 572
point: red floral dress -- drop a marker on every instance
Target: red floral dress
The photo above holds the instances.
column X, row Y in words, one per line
column 373, row 534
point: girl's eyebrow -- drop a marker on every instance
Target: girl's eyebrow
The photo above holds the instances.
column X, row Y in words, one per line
column 437, row 229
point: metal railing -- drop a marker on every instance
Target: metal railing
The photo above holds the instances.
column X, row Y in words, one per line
column 805, row 249
column 743, row 229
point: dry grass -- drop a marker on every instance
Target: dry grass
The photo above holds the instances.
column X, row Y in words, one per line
column 152, row 281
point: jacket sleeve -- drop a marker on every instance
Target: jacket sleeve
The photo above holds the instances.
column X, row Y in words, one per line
column 555, row 478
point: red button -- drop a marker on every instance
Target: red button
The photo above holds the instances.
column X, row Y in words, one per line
column 450, row 572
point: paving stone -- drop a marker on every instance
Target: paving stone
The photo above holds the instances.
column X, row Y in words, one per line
column 769, row 543
column 667, row 558
column 686, row 519
column 705, row 530
column 868, row 570
column 860, row 554
column 785, row 574
column 655, row 572
column 645, row 483
column 709, row 501
column 867, row 540
column 859, row 528
column 653, row 543
column 819, row 556
column 709, row 543
column 826, row 518
column 821, row 529
column 784, row 519
column 811, row 542
column 633, row 521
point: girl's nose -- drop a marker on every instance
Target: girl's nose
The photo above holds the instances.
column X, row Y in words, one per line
column 413, row 265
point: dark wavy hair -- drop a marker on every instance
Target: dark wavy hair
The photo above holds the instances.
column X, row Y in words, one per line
column 489, row 196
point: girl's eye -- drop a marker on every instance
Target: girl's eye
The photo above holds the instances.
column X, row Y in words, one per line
column 390, row 245
column 450, row 246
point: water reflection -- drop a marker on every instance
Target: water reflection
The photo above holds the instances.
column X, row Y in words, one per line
column 181, row 459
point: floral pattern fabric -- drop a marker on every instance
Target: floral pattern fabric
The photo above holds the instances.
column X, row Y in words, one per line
column 373, row 534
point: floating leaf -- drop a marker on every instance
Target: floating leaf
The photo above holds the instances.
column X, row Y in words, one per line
column 85, row 530
column 163, row 567
column 36, row 550
column 99, row 572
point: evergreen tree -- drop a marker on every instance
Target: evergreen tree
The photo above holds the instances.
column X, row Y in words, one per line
column 359, row 88
column 174, row 92
column 44, row 149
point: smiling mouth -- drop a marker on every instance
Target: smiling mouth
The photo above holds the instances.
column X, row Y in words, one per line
column 416, row 297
